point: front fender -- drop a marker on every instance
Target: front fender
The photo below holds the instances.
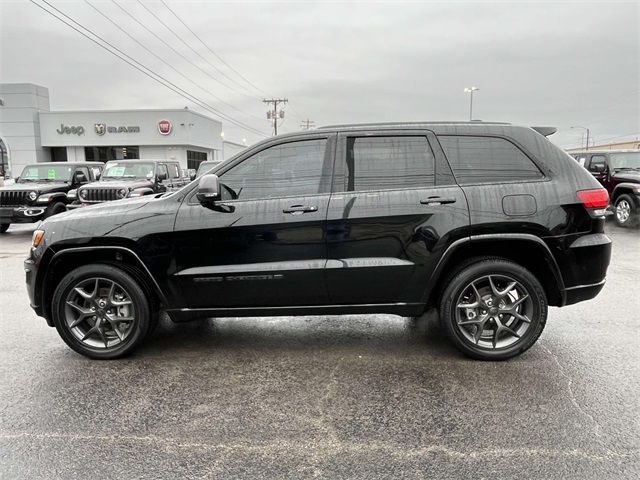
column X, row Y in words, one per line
column 626, row 187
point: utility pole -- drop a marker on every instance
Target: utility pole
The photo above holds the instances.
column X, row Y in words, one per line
column 588, row 133
column 275, row 114
column 471, row 90
column 308, row 124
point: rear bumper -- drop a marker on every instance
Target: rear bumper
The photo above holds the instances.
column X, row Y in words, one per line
column 585, row 268
column 581, row 293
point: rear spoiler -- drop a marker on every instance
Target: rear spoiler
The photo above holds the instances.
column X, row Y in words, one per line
column 546, row 131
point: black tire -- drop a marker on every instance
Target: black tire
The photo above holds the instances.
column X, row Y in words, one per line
column 54, row 209
column 626, row 211
column 531, row 297
column 127, row 284
column 4, row 227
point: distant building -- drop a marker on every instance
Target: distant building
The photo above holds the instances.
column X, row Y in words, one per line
column 626, row 145
column 229, row 149
column 30, row 132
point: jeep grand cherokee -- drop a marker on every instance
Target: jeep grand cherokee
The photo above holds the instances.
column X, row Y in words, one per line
column 491, row 223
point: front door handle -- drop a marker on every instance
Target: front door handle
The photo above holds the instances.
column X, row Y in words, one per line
column 438, row 200
column 300, row 209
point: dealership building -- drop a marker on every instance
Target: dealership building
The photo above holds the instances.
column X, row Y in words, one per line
column 30, row 132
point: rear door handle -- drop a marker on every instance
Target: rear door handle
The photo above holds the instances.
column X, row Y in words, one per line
column 300, row 209
column 438, row 200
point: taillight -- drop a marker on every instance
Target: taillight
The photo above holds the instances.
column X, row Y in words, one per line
column 596, row 198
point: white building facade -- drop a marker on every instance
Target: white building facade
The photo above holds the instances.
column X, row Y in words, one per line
column 30, row 132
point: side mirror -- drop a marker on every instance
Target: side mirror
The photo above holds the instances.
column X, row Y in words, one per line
column 208, row 189
column 161, row 177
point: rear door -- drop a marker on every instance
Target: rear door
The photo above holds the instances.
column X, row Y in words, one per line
column 394, row 209
column 264, row 244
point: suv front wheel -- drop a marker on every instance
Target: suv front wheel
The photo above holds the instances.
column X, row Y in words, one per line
column 493, row 309
column 100, row 311
column 626, row 212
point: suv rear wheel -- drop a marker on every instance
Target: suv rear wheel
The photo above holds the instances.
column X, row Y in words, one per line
column 493, row 309
column 100, row 311
column 626, row 212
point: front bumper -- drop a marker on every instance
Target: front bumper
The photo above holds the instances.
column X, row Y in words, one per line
column 24, row 214
column 31, row 270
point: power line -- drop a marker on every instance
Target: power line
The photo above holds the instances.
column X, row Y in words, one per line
column 181, row 56
column 274, row 114
column 192, row 49
column 163, row 60
column 211, row 50
column 142, row 68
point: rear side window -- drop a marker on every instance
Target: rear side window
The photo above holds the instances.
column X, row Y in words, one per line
column 378, row 163
column 487, row 160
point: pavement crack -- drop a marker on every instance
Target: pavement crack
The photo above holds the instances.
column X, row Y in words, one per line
column 572, row 396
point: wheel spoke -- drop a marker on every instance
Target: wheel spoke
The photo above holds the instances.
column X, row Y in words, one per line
column 470, row 322
column 519, row 301
column 479, row 331
column 468, row 305
column 83, row 294
column 494, row 289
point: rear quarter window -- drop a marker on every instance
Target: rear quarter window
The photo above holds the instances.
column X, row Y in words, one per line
column 487, row 160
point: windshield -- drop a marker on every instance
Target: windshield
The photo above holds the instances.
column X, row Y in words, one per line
column 128, row 170
column 625, row 160
column 45, row 173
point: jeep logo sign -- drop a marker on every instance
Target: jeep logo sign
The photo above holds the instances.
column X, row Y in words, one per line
column 164, row 127
column 75, row 130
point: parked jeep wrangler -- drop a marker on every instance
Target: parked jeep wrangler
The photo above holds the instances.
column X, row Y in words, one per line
column 619, row 172
column 41, row 190
column 490, row 223
column 129, row 178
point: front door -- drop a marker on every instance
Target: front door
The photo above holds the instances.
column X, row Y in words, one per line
column 263, row 244
column 395, row 207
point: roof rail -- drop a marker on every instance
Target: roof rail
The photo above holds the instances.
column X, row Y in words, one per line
column 413, row 124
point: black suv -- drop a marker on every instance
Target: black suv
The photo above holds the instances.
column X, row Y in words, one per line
column 619, row 172
column 130, row 178
column 41, row 190
column 489, row 222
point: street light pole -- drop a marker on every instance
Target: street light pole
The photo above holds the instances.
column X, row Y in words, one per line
column 471, row 90
column 588, row 133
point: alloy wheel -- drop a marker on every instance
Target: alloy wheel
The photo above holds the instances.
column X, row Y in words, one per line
column 99, row 313
column 493, row 311
column 623, row 211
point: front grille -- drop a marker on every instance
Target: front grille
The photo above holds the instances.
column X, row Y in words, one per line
column 95, row 195
column 14, row 198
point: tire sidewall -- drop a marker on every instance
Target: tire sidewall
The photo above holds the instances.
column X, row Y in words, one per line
column 494, row 267
column 141, row 326
column 633, row 214
column 54, row 209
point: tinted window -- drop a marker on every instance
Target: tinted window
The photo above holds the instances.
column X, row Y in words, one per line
column 597, row 161
column 174, row 171
column 375, row 163
column 487, row 159
column 295, row 168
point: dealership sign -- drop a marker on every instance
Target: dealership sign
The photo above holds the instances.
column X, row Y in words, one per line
column 164, row 127
column 70, row 130
column 102, row 128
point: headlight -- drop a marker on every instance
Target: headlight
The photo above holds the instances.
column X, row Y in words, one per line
column 33, row 195
column 72, row 194
column 83, row 194
column 44, row 198
column 122, row 193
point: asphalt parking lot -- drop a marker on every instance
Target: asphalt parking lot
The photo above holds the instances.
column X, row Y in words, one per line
column 324, row 397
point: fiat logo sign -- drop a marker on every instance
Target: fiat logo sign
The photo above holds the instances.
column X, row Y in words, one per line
column 164, row 127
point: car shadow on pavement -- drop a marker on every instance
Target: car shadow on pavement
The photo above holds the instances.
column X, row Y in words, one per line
column 376, row 332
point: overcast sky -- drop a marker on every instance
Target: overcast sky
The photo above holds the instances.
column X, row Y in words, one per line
column 543, row 63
